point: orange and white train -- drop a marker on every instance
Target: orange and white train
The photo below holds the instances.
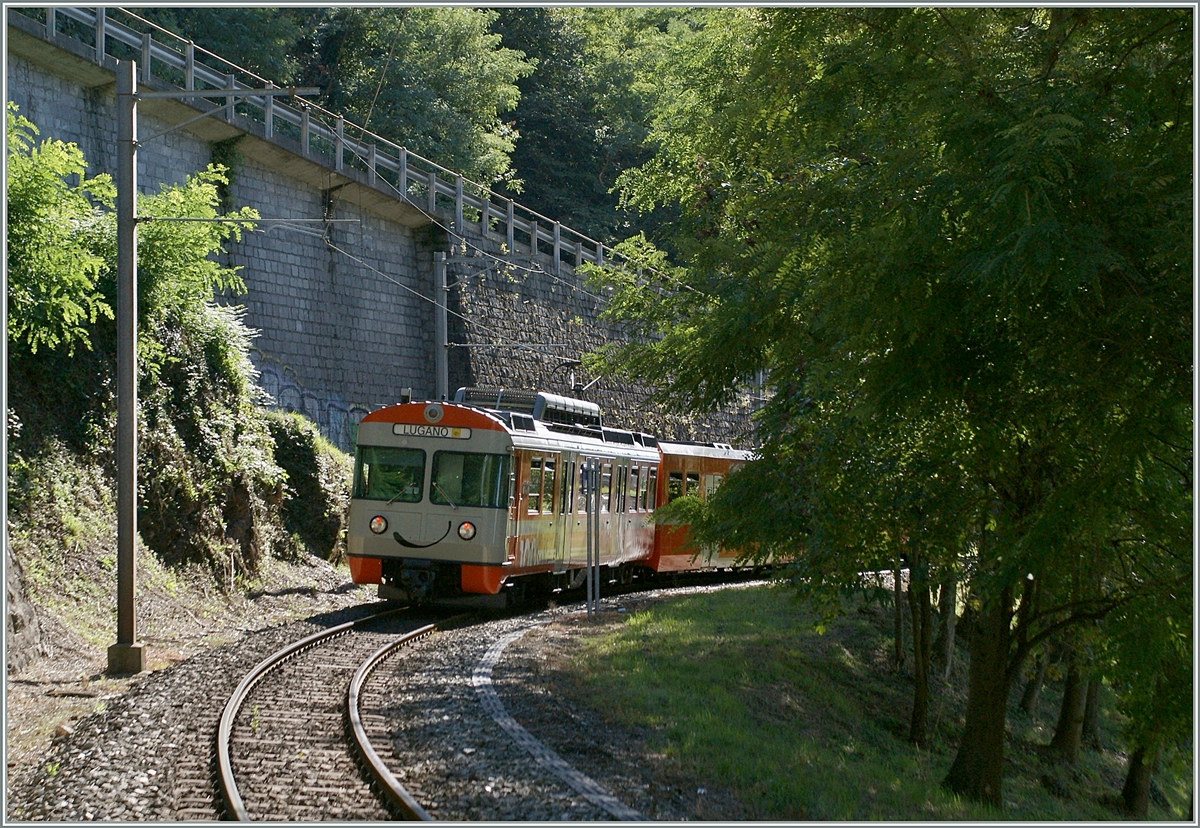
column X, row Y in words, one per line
column 484, row 498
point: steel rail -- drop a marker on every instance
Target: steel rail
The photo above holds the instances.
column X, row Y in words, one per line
column 229, row 789
column 395, row 793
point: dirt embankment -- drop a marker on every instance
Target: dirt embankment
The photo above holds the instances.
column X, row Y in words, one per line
column 62, row 676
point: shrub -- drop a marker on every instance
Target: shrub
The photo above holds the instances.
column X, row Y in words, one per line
column 209, row 487
column 317, row 494
column 53, row 266
column 208, row 475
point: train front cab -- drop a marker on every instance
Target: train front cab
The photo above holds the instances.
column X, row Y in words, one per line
column 430, row 509
column 691, row 469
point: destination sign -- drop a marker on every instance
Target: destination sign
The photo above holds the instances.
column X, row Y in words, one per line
column 445, row 432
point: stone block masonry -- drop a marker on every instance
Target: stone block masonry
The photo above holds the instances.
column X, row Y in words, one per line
column 338, row 304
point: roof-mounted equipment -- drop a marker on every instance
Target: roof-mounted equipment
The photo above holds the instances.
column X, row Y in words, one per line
column 552, row 408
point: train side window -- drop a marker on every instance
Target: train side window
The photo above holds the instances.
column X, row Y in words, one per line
column 619, row 491
column 618, row 483
column 548, row 470
column 674, row 485
column 643, row 484
column 391, row 474
column 470, row 479
column 605, row 486
column 652, row 489
column 712, row 482
column 534, row 501
column 564, row 494
column 693, row 483
column 635, row 474
column 582, row 502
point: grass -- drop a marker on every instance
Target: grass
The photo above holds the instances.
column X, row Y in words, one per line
column 738, row 687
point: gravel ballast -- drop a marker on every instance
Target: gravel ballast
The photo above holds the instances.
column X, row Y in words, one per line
column 148, row 754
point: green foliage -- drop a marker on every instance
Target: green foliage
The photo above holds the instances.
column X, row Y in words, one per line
column 1150, row 644
column 175, row 265
column 206, row 468
column 432, row 79
column 53, row 268
column 957, row 242
column 739, row 689
column 209, row 486
column 178, row 269
column 554, row 158
column 208, row 471
column 584, row 110
column 262, row 40
column 713, row 45
column 225, row 156
column 61, row 527
column 553, row 103
column 317, row 492
column 935, row 255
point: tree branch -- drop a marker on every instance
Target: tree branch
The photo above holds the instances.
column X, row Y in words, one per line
column 1096, row 613
column 1107, row 85
column 876, row 27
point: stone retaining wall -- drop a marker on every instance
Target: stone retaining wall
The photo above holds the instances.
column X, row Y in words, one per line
column 343, row 308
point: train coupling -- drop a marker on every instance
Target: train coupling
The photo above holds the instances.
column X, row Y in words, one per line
column 408, row 579
column 417, row 579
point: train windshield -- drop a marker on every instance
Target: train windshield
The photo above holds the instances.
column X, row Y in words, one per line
column 391, row 474
column 468, row 479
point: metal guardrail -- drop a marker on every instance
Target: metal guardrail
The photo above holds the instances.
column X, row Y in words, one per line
column 322, row 136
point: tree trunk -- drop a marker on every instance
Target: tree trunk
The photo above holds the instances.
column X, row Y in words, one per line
column 948, row 614
column 899, row 625
column 1091, row 715
column 1136, row 794
column 920, row 614
column 1033, row 689
column 1069, row 731
column 978, row 765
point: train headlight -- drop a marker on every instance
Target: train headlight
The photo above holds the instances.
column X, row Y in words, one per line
column 379, row 524
column 466, row 530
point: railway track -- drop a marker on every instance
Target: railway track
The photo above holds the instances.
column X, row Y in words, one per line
column 295, row 740
column 291, row 743
column 150, row 755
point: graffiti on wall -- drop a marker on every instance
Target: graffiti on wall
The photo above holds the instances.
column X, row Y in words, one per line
column 336, row 419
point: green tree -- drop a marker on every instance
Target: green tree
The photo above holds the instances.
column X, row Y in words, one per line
column 585, row 110
column 175, row 258
column 1148, row 643
column 969, row 225
column 53, row 268
column 559, row 159
column 432, row 79
column 206, row 456
column 264, row 40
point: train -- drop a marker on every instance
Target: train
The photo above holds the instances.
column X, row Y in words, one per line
column 487, row 499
